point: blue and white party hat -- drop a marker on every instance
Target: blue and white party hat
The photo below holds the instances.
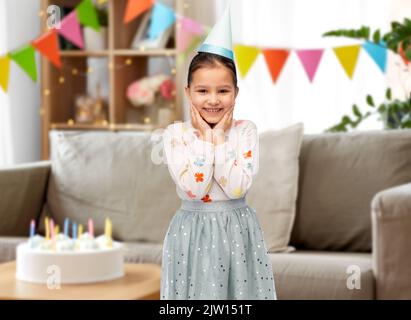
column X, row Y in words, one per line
column 219, row 40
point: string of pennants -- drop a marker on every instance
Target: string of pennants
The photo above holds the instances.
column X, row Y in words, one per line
column 190, row 34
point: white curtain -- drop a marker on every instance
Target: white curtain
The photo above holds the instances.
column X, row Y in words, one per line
column 5, row 132
column 299, row 24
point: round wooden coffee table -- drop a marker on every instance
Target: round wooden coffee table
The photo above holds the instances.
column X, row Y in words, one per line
column 141, row 281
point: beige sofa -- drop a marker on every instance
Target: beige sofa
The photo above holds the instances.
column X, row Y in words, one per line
column 352, row 230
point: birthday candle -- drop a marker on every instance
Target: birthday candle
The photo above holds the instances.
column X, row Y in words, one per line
column 46, row 224
column 80, row 230
column 74, row 230
column 109, row 232
column 32, row 227
column 52, row 228
column 56, row 229
column 91, row 227
column 66, row 227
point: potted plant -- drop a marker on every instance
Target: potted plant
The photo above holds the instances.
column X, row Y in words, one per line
column 394, row 113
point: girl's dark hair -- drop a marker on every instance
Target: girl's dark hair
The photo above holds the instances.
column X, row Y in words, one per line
column 206, row 59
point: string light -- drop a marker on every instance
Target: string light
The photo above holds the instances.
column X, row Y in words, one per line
column 129, row 61
column 90, row 70
column 46, row 92
column 74, row 71
column 41, row 13
column 70, row 122
column 61, row 79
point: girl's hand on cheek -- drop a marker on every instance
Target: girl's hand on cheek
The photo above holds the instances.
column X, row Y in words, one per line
column 221, row 127
column 201, row 125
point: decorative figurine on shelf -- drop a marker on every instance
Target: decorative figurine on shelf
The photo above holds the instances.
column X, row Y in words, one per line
column 155, row 95
column 90, row 110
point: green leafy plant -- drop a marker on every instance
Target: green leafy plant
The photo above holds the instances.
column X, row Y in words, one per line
column 394, row 113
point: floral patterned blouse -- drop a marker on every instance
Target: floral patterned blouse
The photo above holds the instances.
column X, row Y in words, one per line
column 202, row 171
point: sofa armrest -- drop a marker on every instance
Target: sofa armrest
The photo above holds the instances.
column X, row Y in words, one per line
column 391, row 242
column 22, row 195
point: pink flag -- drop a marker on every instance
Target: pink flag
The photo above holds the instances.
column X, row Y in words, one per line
column 188, row 28
column 310, row 58
column 70, row 29
column 191, row 26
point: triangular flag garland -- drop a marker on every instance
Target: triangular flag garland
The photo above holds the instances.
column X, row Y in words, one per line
column 245, row 56
column 70, row 29
column 87, row 14
column 378, row 53
column 187, row 29
column 275, row 59
column 189, row 36
column 135, row 8
column 25, row 58
column 48, row 46
column 348, row 57
column 4, row 72
column 402, row 54
column 162, row 18
column 310, row 58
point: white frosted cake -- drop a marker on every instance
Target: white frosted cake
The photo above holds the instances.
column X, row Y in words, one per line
column 69, row 260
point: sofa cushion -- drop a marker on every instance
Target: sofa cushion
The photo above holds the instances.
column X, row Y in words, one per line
column 274, row 190
column 312, row 275
column 112, row 174
column 339, row 175
column 22, row 193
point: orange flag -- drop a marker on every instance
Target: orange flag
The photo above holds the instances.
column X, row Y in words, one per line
column 402, row 54
column 47, row 44
column 275, row 59
column 135, row 8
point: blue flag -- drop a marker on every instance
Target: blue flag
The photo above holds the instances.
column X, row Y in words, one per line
column 378, row 53
column 162, row 18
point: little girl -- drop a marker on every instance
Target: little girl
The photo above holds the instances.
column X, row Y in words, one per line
column 214, row 246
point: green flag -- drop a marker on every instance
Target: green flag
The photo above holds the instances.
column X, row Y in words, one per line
column 25, row 58
column 87, row 14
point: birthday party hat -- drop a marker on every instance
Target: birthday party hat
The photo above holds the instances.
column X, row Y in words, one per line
column 219, row 40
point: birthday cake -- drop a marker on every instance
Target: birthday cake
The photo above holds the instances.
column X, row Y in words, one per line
column 69, row 259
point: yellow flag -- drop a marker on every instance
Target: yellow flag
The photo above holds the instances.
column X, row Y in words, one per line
column 4, row 72
column 348, row 57
column 246, row 56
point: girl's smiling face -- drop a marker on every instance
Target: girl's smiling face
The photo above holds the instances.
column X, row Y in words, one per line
column 212, row 92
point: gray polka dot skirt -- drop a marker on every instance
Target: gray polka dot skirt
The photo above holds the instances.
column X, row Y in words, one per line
column 216, row 250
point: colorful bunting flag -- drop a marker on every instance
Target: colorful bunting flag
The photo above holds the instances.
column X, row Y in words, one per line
column 4, row 72
column 47, row 44
column 161, row 19
column 87, row 14
column 402, row 55
column 25, row 58
column 187, row 29
column 135, row 8
column 310, row 59
column 245, row 56
column 378, row 52
column 275, row 59
column 348, row 57
column 70, row 29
